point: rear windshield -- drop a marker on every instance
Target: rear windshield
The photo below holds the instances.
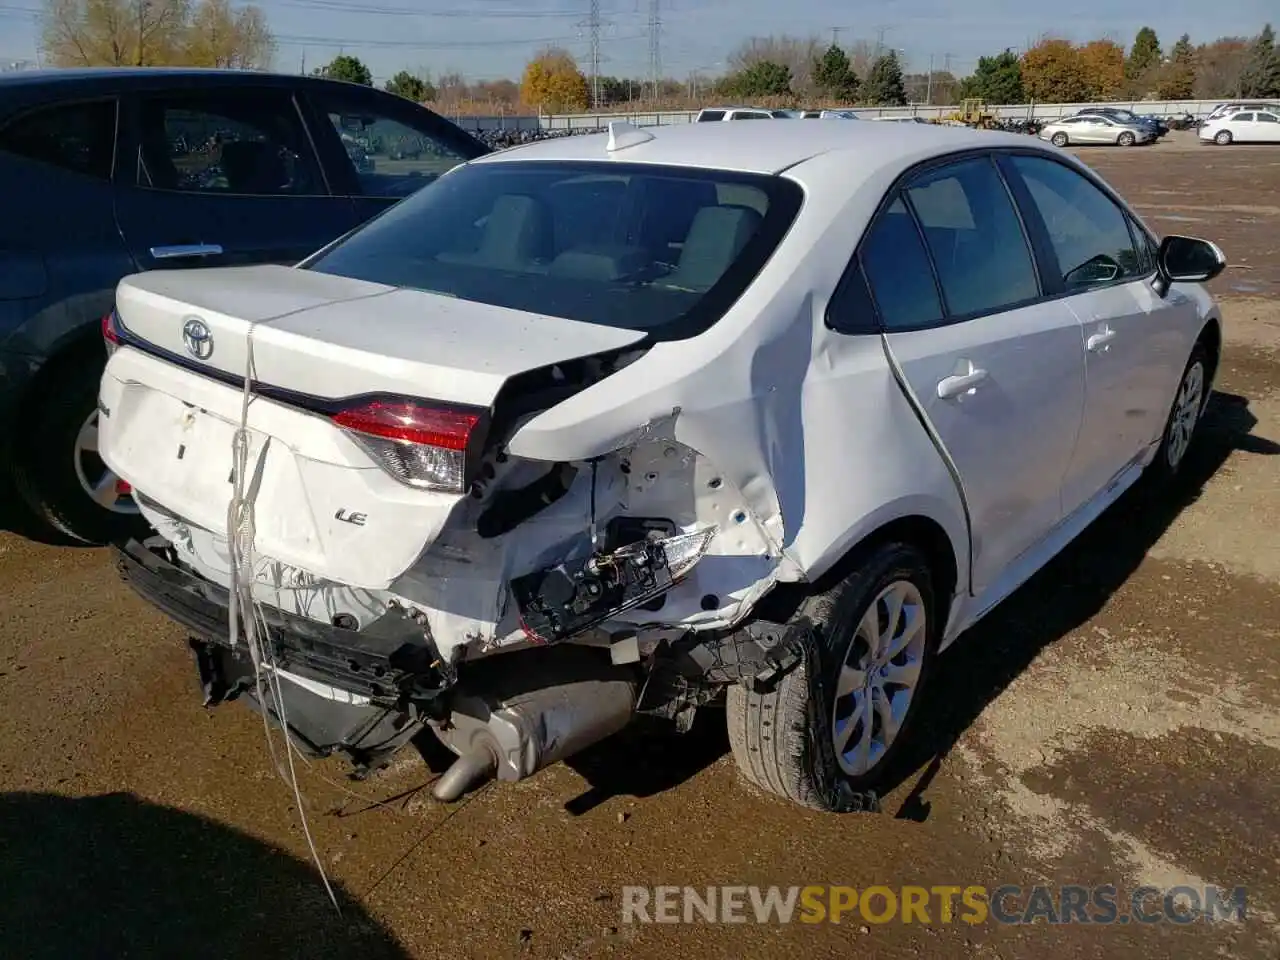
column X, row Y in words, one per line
column 637, row 246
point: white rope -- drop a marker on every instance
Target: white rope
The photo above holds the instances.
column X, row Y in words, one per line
column 245, row 613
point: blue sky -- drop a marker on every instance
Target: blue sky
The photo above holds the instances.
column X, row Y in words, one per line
column 484, row 39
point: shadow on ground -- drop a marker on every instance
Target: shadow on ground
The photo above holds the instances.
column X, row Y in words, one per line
column 1062, row 596
column 1067, row 593
column 115, row 876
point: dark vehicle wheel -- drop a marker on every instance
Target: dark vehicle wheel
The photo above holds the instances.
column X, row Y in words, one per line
column 830, row 726
column 1126, row 139
column 1223, row 138
column 1059, row 140
column 57, row 469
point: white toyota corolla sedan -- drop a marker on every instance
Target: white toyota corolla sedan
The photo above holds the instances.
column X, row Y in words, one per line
column 623, row 424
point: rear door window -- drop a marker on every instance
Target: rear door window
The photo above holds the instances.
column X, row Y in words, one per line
column 897, row 268
column 974, row 237
column 235, row 143
column 395, row 149
column 79, row 137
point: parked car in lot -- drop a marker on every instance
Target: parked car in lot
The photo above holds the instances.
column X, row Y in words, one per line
column 615, row 424
column 1247, row 126
column 1128, row 118
column 1095, row 129
column 717, row 114
column 108, row 172
column 1223, row 109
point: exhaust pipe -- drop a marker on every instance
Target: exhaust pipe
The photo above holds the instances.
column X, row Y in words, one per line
column 531, row 730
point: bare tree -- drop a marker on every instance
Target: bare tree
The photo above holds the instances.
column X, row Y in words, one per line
column 117, row 33
column 796, row 53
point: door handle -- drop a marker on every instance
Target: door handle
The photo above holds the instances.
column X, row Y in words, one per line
column 186, row 250
column 1099, row 340
column 960, row 383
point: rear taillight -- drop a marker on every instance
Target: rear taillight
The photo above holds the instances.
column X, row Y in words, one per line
column 421, row 445
column 111, row 330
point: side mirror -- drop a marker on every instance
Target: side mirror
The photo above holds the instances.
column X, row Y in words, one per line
column 1187, row 260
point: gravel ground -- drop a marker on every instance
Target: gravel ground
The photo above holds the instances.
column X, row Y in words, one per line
column 1117, row 721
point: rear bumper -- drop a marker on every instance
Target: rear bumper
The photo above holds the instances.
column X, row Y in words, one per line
column 386, row 665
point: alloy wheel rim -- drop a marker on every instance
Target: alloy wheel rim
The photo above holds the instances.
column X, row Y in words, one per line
column 1186, row 413
column 879, row 676
column 97, row 480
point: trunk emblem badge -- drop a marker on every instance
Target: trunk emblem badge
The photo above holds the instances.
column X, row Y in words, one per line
column 197, row 338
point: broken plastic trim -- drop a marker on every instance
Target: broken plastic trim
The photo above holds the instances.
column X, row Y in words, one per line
column 560, row 601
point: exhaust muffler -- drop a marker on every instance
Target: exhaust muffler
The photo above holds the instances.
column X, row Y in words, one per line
column 514, row 735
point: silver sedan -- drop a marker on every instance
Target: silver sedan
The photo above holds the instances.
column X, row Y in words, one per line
column 1095, row 129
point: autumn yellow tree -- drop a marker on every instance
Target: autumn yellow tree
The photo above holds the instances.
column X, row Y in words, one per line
column 1052, row 72
column 1102, row 64
column 553, row 83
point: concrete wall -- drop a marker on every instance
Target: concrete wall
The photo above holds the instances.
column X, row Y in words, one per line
column 1040, row 111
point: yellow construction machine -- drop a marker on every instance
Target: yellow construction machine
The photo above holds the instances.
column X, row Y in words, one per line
column 973, row 113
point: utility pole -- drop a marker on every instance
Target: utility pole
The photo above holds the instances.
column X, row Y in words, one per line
column 835, row 36
column 880, row 32
column 655, row 48
column 928, row 90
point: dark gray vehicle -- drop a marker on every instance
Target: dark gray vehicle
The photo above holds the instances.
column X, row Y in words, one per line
column 109, row 172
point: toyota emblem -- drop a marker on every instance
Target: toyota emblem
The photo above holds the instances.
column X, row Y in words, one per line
column 198, row 339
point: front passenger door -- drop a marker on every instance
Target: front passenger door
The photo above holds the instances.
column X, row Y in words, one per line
column 1136, row 341
column 223, row 177
column 998, row 375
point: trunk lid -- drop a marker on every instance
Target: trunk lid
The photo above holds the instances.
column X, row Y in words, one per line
column 323, row 503
column 333, row 337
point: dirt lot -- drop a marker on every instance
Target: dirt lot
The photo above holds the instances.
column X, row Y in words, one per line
column 1116, row 722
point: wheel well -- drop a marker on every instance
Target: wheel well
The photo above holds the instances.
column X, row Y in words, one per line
column 921, row 532
column 1211, row 337
column 78, row 350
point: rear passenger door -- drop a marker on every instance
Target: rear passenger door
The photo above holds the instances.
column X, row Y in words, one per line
column 998, row 375
column 223, row 177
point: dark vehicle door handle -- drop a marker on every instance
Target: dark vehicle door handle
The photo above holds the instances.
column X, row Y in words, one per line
column 186, row 250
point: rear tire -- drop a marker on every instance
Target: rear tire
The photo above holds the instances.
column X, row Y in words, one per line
column 45, row 469
column 788, row 739
column 1059, row 139
column 1223, row 138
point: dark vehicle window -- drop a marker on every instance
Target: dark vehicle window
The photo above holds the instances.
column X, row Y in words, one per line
column 393, row 156
column 750, row 116
column 641, row 247
column 238, row 143
column 707, row 115
column 1268, row 118
column 897, row 268
column 1089, row 233
column 974, row 237
column 1242, row 117
column 80, row 137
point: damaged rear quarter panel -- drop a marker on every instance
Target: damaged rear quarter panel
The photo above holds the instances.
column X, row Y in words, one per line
column 808, row 427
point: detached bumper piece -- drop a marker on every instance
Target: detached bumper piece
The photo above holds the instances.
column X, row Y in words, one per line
column 391, row 666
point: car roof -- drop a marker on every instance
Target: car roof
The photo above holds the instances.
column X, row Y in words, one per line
column 740, row 148
column 77, row 80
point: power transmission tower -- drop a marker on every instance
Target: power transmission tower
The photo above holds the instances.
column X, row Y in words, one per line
column 593, row 23
column 655, row 46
